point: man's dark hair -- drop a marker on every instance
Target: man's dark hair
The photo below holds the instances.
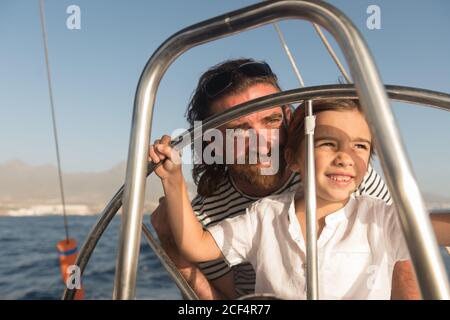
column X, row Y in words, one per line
column 208, row 177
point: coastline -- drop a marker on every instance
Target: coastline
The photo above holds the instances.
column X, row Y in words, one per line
column 79, row 209
column 39, row 210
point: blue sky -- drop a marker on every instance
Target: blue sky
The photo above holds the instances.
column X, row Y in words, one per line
column 95, row 72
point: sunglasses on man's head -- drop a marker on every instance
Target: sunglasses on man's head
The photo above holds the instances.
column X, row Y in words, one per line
column 224, row 80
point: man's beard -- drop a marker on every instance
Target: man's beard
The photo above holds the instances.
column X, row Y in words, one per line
column 251, row 174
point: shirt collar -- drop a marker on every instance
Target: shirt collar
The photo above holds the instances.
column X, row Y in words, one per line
column 333, row 219
column 331, row 222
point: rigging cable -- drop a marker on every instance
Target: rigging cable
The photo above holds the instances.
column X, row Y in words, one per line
column 67, row 248
column 52, row 107
column 288, row 53
column 327, row 46
column 331, row 52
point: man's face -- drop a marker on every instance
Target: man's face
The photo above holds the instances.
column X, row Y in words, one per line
column 271, row 133
column 342, row 144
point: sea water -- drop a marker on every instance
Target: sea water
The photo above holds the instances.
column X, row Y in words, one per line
column 29, row 266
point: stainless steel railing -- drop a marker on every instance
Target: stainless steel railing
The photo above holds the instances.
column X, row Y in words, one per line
column 170, row 267
column 373, row 98
column 312, row 265
column 429, row 98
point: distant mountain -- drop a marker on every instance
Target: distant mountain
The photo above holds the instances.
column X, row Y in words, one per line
column 24, row 185
column 436, row 202
column 434, row 198
column 36, row 187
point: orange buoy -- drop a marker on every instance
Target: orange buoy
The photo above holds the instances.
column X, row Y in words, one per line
column 68, row 252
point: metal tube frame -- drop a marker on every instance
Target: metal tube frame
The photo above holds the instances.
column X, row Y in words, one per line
column 399, row 177
column 181, row 283
column 312, row 274
column 438, row 100
column 374, row 101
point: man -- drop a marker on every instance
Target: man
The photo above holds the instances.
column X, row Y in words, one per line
column 226, row 190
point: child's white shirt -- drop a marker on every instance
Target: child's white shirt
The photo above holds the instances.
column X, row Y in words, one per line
column 357, row 248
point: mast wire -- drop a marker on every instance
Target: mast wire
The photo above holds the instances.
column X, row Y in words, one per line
column 52, row 107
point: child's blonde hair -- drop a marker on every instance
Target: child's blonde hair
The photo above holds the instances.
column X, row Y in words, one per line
column 296, row 131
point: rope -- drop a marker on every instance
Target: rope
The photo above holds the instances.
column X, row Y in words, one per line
column 52, row 107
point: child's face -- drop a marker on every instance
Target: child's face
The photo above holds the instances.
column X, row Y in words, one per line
column 342, row 151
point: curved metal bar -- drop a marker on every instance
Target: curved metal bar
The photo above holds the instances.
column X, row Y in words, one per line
column 170, row 267
column 97, row 231
column 94, row 236
column 373, row 99
column 425, row 97
column 429, row 98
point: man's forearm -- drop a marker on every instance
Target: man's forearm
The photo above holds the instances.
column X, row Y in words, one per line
column 404, row 283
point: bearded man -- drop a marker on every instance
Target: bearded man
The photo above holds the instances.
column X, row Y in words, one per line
column 226, row 190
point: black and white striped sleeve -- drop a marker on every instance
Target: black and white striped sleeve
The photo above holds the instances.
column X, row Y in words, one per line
column 203, row 208
column 374, row 186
